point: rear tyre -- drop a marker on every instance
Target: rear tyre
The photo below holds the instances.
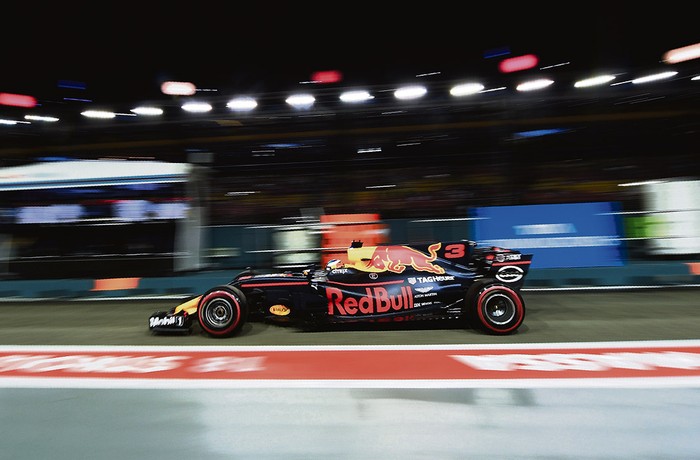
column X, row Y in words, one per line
column 222, row 311
column 496, row 309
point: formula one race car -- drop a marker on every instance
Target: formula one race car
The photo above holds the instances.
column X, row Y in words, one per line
column 384, row 283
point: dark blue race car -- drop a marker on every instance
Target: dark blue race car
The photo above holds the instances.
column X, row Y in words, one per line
column 386, row 283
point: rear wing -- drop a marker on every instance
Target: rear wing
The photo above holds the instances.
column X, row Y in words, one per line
column 511, row 268
column 506, row 265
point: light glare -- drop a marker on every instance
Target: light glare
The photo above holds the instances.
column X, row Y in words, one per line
column 327, row 76
column 654, row 77
column 196, row 107
column 356, row 96
column 40, row 118
column 143, row 110
column 98, row 114
column 594, row 81
column 466, row 89
column 242, row 103
column 301, row 100
column 682, row 54
column 518, row 63
column 17, row 100
column 533, row 85
column 178, row 88
column 410, row 92
column 646, row 182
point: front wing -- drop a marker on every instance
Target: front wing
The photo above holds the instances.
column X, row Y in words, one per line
column 163, row 321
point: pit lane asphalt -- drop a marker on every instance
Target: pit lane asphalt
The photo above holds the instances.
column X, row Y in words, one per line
column 585, row 423
column 671, row 313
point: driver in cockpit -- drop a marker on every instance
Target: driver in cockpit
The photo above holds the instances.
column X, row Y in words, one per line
column 334, row 264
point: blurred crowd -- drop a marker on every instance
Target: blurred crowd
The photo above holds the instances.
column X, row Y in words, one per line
column 416, row 192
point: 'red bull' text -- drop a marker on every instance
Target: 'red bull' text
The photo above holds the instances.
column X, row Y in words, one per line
column 376, row 301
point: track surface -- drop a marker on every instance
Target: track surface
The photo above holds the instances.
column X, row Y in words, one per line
column 645, row 314
column 488, row 422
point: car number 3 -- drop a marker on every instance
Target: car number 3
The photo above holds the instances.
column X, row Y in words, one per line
column 454, row 251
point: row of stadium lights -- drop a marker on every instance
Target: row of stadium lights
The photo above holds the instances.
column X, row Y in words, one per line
column 306, row 100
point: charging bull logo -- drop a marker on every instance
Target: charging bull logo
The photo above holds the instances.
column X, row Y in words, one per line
column 397, row 258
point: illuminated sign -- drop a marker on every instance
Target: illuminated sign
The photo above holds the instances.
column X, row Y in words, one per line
column 674, row 216
column 17, row 100
column 178, row 88
column 327, row 76
column 515, row 64
column 558, row 235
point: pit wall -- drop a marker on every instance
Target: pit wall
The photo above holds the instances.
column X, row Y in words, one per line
column 647, row 274
column 232, row 248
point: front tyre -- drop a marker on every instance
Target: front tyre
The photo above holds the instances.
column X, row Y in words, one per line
column 222, row 311
column 497, row 309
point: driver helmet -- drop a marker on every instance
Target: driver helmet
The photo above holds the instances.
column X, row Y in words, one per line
column 333, row 264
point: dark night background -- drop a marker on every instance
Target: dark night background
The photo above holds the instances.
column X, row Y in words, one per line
column 442, row 155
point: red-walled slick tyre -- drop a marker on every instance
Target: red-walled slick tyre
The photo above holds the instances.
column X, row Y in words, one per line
column 222, row 311
column 497, row 309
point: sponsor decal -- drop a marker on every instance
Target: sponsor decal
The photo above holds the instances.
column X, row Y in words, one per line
column 396, row 319
column 660, row 364
column 373, row 276
column 544, row 229
column 510, row 274
column 426, row 304
column 124, row 364
column 376, row 300
column 177, row 321
column 340, row 271
column 509, row 257
column 87, row 364
column 425, row 289
column 279, row 310
column 396, row 258
column 431, row 279
column 587, row 362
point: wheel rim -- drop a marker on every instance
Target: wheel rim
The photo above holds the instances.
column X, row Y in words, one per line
column 219, row 313
column 499, row 309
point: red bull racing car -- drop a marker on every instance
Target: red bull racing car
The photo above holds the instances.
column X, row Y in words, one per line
column 385, row 283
